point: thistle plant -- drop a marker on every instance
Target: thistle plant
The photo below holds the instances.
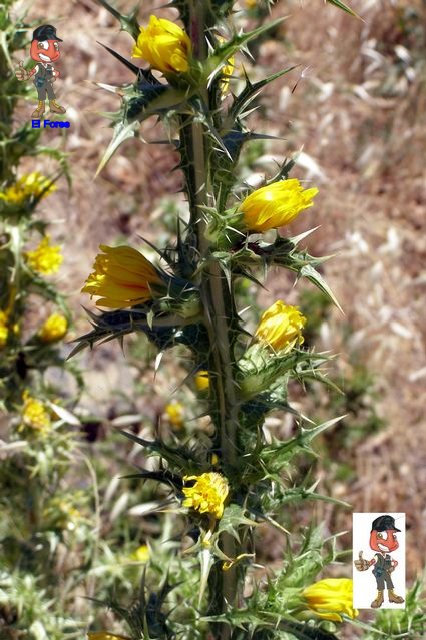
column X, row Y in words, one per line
column 223, row 485
column 37, row 513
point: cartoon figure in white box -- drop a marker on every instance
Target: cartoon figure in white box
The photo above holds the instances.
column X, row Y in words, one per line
column 383, row 540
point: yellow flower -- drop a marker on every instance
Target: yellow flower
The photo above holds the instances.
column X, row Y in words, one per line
column 201, row 380
column 104, row 635
column 174, row 412
column 281, row 326
column 208, row 494
column 331, row 597
column 275, row 205
column 30, row 185
column 34, row 413
column 4, row 331
column 45, row 258
column 54, row 328
column 122, row 276
column 141, row 554
column 164, row 45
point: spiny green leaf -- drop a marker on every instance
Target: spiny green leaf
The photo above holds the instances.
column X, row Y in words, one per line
column 342, row 5
column 250, row 92
column 122, row 131
column 309, row 272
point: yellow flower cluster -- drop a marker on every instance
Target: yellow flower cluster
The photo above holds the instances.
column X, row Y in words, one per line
column 4, row 331
column 54, row 328
column 281, row 326
column 45, row 258
column 30, row 185
column 330, row 598
column 122, row 276
column 275, row 205
column 164, row 45
column 34, row 413
column 208, row 493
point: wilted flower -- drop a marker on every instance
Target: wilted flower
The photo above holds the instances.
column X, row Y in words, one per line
column 30, row 185
column 275, row 205
column 174, row 412
column 201, row 380
column 4, row 331
column 54, row 328
column 281, row 326
column 208, row 494
column 45, row 258
column 34, row 413
column 122, row 276
column 164, row 45
column 331, row 597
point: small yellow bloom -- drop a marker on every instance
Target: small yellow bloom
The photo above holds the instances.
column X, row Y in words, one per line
column 4, row 331
column 208, row 494
column 201, row 380
column 275, row 205
column 122, row 276
column 141, row 554
column 30, row 185
column 54, row 328
column 34, row 413
column 164, row 45
column 174, row 412
column 45, row 258
column 104, row 635
column 331, row 597
column 281, row 326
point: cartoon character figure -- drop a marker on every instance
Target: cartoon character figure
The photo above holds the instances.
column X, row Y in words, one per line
column 45, row 50
column 383, row 540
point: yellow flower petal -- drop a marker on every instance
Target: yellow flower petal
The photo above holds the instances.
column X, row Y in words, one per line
column 54, row 328
column 175, row 413
column 330, row 598
column 45, row 258
column 34, row 413
column 281, row 326
column 201, row 380
column 122, row 277
column 208, row 494
column 32, row 185
column 164, row 45
column 275, row 205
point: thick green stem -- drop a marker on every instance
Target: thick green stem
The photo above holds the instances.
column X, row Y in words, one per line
column 218, row 317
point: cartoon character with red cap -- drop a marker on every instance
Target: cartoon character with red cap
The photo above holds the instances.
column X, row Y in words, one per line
column 45, row 50
column 383, row 540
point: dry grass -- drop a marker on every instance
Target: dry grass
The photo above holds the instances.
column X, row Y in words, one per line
column 368, row 143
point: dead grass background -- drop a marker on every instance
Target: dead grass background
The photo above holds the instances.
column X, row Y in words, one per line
column 359, row 112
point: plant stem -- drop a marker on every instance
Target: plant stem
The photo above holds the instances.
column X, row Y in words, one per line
column 217, row 304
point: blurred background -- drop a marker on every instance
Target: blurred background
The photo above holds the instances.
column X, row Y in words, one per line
column 354, row 109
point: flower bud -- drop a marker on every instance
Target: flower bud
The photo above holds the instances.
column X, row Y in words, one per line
column 331, row 597
column 164, row 45
column 281, row 326
column 275, row 205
